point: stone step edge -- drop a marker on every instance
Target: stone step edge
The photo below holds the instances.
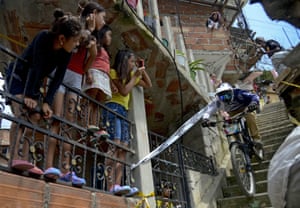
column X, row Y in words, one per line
column 237, row 186
column 242, row 197
column 262, row 122
column 255, row 172
column 258, row 163
column 280, row 110
column 277, row 129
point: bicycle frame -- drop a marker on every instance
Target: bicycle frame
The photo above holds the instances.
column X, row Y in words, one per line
column 242, row 136
column 241, row 150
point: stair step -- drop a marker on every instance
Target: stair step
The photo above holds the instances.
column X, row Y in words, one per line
column 272, row 116
column 267, row 156
column 279, row 131
column 265, row 113
column 273, row 107
column 278, row 121
column 275, row 124
column 235, row 190
column 260, row 200
column 259, row 175
column 273, row 139
column 260, row 165
column 272, row 147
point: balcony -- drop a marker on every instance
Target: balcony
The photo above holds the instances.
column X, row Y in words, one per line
column 161, row 109
column 86, row 156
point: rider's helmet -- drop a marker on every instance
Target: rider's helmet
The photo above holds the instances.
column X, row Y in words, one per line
column 225, row 92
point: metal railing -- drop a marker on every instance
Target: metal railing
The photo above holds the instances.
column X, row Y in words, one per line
column 169, row 169
column 86, row 153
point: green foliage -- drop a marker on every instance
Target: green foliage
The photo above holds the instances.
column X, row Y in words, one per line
column 196, row 66
column 267, row 75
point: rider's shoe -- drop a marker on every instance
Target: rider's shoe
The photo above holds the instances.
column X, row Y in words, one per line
column 259, row 149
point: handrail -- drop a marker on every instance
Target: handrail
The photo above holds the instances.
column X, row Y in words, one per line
column 11, row 53
column 12, row 40
column 87, row 148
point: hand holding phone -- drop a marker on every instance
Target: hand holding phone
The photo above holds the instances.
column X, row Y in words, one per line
column 140, row 62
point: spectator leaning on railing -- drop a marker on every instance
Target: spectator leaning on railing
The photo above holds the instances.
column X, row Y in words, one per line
column 92, row 14
column 49, row 50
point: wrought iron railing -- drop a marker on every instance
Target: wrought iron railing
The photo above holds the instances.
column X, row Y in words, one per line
column 170, row 166
column 86, row 153
column 168, row 173
column 195, row 161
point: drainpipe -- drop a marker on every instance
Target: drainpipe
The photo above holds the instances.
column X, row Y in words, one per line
column 169, row 34
column 140, row 10
column 155, row 15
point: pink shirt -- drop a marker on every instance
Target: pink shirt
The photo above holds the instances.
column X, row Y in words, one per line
column 102, row 61
column 132, row 3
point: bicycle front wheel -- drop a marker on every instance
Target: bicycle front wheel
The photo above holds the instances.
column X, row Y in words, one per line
column 244, row 175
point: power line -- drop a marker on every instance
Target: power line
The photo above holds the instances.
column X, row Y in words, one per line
column 288, row 38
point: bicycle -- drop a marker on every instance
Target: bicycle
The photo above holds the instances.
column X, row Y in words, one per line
column 242, row 149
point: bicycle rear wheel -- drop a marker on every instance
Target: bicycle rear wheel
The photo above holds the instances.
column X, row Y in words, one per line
column 244, row 176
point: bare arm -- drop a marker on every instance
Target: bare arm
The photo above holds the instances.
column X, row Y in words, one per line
column 92, row 50
column 145, row 80
column 124, row 90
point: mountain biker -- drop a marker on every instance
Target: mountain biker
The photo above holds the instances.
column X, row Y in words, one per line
column 232, row 101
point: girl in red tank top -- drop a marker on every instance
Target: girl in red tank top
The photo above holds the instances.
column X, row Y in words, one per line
column 96, row 82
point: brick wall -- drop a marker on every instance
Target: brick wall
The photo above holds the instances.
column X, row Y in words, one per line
column 193, row 19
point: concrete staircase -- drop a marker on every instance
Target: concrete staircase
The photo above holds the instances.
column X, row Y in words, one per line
column 274, row 126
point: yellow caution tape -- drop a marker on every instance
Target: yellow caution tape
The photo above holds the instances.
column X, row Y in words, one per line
column 12, row 40
column 144, row 202
column 151, row 194
column 290, row 84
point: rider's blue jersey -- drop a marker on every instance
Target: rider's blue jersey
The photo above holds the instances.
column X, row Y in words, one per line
column 241, row 100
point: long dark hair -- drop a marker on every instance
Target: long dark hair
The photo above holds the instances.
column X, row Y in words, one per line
column 88, row 8
column 121, row 64
column 65, row 24
column 100, row 35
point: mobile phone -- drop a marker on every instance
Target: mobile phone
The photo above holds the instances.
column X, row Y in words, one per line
column 141, row 63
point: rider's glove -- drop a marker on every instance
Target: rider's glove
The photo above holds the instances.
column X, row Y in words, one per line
column 252, row 106
column 205, row 123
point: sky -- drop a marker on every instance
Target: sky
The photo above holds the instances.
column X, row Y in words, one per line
column 286, row 34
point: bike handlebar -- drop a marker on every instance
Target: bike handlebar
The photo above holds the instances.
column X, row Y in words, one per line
column 232, row 119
